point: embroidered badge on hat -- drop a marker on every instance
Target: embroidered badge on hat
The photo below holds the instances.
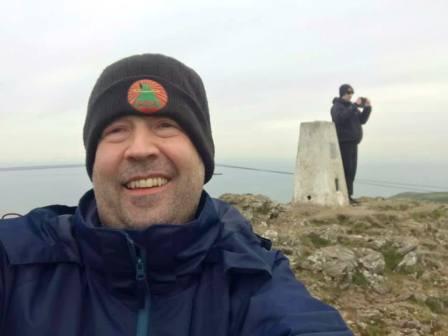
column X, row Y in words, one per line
column 147, row 96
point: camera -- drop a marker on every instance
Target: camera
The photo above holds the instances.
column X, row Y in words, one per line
column 363, row 102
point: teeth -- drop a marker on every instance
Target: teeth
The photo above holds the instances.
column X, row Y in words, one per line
column 147, row 183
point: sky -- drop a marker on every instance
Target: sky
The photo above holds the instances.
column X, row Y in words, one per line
column 267, row 66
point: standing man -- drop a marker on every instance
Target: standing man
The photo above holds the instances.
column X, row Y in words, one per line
column 349, row 120
column 148, row 252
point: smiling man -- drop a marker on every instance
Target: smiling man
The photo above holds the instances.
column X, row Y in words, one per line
column 146, row 172
column 148, row 251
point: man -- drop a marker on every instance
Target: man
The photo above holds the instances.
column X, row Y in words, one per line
column 148, row 252
column 348, row 120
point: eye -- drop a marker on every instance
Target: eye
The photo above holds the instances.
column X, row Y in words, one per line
column 112, row 130
column 166, row 123
column 115, row 132
column 167, row 128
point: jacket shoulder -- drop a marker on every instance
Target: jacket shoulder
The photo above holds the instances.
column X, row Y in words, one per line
column 267, row 298
column 44, row 235
column 283, row 306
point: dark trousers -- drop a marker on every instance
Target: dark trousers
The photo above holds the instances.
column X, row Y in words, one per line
column 349, row 153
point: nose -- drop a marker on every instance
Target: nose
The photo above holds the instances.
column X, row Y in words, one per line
column 143, row 144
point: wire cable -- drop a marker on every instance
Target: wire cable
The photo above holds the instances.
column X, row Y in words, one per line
column 19, row 168
column 372, row 182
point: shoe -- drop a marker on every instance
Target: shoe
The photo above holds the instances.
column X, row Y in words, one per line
column 353, row 201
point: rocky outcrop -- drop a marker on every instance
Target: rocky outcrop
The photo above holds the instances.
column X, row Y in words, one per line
column 382, row 264
column 256, row 208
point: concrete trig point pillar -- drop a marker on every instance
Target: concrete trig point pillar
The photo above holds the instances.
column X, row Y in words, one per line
column 319, row 176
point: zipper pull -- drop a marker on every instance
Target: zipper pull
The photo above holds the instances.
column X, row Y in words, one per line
column 140, row 274
column 139, row 258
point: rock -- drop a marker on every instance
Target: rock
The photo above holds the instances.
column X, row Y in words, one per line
column 331, row 232
column 411, row 325
column 426, row 276
column 380, row 287
column 377, row 242
column 409, row 261
column 419, row 297
column 371, row 260
column 336, row 261
column 271, row 235
column 411, row 332
column 256, row 208
column 293, row 262
column 287, row 250
column 406, row 245
column 372, row 266
column 263, row 225
column 370, row 314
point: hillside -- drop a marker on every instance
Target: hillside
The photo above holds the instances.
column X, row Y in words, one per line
column 441, row 197
column 382, row 264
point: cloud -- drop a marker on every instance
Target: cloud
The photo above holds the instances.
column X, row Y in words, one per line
column 267, row 67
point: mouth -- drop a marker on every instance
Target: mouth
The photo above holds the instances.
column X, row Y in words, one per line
column 146, row 183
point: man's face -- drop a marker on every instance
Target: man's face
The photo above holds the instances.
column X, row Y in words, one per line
column 348, row 96
column 146, row 172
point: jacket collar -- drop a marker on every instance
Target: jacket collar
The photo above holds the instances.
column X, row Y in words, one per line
column 172, row 250
column 341, row 101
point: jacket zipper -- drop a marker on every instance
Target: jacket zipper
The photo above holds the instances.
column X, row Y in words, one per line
column 144, row 298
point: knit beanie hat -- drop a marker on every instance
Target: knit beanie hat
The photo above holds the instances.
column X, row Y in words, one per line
column 150, row 84
column 344, row 89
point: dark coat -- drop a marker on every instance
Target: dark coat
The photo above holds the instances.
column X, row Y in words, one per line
column 63, row 274
column 348, row 120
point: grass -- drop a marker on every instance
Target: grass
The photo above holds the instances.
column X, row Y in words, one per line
column 359, row 279
column 375, row 330
column 358, row 227
column 391, row 257
column 347, row 242
column 387, row 219
column 418, row 270
column 433, row 214
column 319, row 221
column 439, row 213
column 437, row 305
column 343, row 219
column 318, row 241
column 441, row 197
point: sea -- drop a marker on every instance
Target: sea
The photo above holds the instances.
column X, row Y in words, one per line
column 24, row 190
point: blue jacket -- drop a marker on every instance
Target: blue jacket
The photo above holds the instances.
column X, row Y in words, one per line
column 61, row 273
column 349, row 120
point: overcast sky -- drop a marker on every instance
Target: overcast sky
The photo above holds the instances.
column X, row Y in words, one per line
column 266, row 65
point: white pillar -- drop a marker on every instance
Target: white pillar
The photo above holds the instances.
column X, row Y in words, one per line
column 319, row 176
